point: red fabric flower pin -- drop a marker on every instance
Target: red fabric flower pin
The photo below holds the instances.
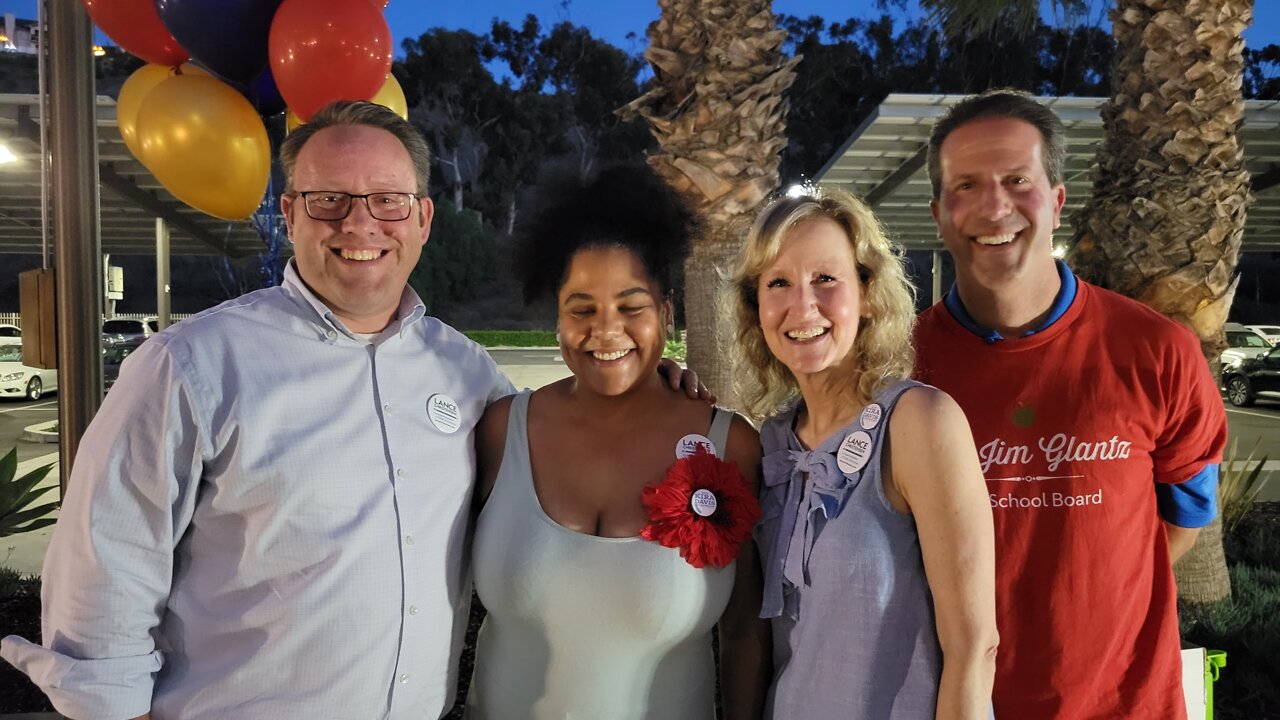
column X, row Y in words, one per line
column 703, row 507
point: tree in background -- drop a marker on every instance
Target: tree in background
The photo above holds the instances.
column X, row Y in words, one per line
column 587, row 76
column 457, row 263
column 451, row 96
column 849, row 67
column 554, row 99
column 1166, row 217
column 718, row 111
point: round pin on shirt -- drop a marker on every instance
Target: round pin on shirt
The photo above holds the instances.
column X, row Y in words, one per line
column 871, row 415
column 703, row 502
column 690, row 444
column 443, row 413
column 854, row 452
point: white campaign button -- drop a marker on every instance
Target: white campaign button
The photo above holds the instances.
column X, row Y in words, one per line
column 689, row 445
column 703, row 502
column 854, row 452
column 444, row 413
column 871, row 415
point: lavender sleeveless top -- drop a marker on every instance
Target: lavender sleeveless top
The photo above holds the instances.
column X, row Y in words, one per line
column 853, row 626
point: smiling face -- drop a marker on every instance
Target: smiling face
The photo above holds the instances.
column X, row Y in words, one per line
column 811, row 299
column 611, row 319
column 357, row 266
column 996, row 210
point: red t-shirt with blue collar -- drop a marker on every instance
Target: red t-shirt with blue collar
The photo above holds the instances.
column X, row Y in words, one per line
column 1073, row 423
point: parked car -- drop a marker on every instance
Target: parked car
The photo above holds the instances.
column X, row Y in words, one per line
column 1270, row 332
column 18, row 380
column 1252, row 378
column 118, row 329
column 1242, row 344
column 113, row 355
column 8, row 330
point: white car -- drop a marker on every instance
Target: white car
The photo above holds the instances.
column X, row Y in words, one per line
column 119, row 329
column 1242, row 344
column 18, row 380
column 9, row 330
column 1270, row 332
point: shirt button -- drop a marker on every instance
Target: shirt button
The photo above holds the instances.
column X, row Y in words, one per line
column 404, row 679
column 413, row 609
column 399, row 472
column 386, row 408
column 408, row 539
column 331, row 334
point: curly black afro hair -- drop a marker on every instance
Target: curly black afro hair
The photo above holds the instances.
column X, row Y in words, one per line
column 625, row 206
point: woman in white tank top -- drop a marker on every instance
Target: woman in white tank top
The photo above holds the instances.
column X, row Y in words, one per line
column 587, row 618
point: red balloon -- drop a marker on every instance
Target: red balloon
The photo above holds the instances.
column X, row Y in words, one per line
column 135, row 26
column 326, row 50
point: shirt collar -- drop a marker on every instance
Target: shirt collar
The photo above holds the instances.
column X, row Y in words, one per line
column 1061, row 303
column 410, row 311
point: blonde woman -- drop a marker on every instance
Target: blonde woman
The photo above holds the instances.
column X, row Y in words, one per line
column 876, row 535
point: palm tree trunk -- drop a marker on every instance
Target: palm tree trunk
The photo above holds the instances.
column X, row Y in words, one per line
column 1166, row 217
column 718, row 113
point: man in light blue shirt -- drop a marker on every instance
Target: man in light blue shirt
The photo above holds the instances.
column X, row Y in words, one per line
column 268, row 517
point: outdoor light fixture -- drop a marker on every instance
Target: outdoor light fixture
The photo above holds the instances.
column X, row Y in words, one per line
column 6, row 155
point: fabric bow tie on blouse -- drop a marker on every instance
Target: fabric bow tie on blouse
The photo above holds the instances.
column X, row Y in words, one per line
column 827, row 491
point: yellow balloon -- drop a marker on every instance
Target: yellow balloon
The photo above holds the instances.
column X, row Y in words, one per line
column 135, row 90
column 206, row 144
column 390, row 96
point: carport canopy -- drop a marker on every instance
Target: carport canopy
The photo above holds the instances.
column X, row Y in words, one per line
column 130, row 196
column 883, row 162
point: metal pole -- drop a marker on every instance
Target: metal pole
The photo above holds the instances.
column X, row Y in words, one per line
column 162, row 272
column 937, row 275
column 42, row 72
column 77, row 243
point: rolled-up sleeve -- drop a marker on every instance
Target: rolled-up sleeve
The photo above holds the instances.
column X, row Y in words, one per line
column 1190, row 504
column 110, row 563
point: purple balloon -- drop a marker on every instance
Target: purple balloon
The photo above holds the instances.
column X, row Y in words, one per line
column 264, row 95
column 228, row 37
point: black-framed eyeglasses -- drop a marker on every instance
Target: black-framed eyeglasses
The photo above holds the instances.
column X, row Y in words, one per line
column 333, row 205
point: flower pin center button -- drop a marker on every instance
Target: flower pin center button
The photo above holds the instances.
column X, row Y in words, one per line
column 703, row 502
column 443, row 413
column 692, row 444
column 854, row 452
column 871, row 415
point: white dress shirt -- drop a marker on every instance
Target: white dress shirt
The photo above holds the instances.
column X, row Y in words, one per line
column 268, row 519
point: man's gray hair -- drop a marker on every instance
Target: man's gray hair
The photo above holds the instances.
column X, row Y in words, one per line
column 358, row 113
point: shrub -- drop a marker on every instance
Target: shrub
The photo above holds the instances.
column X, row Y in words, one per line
column 18, row 496
column 1247, row 626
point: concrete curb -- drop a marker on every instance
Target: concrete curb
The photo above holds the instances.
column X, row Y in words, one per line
column 41, row 432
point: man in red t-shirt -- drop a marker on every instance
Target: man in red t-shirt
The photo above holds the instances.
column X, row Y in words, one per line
column 1098, row 424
